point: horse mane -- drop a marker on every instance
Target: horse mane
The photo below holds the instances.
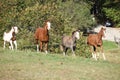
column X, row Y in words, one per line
column 13, row 36
column 75, row 31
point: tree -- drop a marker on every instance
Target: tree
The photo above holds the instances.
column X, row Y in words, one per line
column 106, row 10
column 65, row 16
column 112, row 11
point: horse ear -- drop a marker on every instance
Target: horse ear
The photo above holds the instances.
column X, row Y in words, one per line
column 47, row 21
column 78, row 30
column 104, row 28
column 73, row 32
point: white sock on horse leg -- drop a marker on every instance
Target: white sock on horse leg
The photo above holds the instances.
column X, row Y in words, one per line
column 4, row 45
column 46, row 52
column 15, row 45
column 98, row 54
column 73, row 54
column 63, row 53
column 93, row 55
column 11, row 45
column 103, row 56
column 37, row 48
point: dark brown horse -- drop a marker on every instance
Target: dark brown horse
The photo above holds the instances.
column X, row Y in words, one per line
column 42, row 36
column 95, row 40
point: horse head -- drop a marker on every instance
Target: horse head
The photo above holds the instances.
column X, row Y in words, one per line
column 15, row 29
column 76, row 34
column 103, row 30
column 47, row 24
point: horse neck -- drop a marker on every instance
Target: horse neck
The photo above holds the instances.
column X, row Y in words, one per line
column 13, row 34
column 100, row 34
column 46, row 30
column 45, row 27
column 73, row 38
column 11, row 31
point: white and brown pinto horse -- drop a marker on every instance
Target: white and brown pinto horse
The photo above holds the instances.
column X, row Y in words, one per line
column 10, row 37
column 42, row 36
column 69, row 42
column 95, row 40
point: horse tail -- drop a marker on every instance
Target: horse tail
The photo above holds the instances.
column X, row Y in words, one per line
column 4, row 35
column 61, row 47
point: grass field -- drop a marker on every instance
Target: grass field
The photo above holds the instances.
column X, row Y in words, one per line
column 27, row 65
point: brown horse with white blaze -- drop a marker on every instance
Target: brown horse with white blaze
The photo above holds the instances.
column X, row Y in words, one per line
column 95, row 40
column 42, row 36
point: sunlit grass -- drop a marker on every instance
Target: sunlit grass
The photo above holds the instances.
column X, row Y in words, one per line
column 109, row 45
column 28, row 65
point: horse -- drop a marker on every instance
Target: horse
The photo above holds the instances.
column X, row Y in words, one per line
column 69, row 42
column 11, row 37
column 95, row 40
column 42, row 36
column 117, row 40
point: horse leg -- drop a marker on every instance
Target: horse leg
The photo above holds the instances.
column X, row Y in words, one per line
column 95, row 51
column 11, row 45
column 101, row 47
column 37, row 45
column 41, row 44
column 15, row 43
column 46, row 47
column 65, row 50
column 91, row 50
column 37, row 48
column 73, row 49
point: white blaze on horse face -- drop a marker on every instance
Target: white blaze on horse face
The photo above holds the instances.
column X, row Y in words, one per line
column 15, row 29
column 104, row 32
column 77, row 35
column 48, row 23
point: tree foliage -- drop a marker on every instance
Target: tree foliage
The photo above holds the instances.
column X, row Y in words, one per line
column 106, row 10
column 112, row 11
column 65, row 16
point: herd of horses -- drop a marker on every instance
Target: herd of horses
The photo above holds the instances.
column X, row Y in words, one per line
column 42, row 38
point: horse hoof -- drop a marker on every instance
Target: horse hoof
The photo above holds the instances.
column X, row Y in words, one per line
column 74, row 55
column 46, row 52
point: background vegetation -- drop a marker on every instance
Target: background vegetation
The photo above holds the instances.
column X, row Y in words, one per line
column 65, row 16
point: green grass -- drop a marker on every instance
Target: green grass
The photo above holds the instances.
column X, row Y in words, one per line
column 27, row 65
column 108, row 45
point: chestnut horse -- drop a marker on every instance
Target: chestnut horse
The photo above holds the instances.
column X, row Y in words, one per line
column 95, row 40
column 42, row 36
column 69, row 42
column 10, row 37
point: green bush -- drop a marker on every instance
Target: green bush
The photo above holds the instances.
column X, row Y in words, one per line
column 65, row 17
